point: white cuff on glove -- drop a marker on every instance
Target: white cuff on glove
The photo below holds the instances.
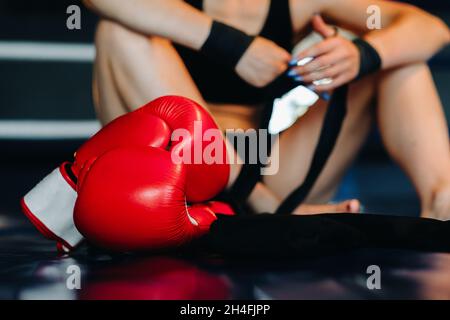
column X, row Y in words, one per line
column 49, row 206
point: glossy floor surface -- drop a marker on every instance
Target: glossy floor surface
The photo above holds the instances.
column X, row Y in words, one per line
column 31, row 269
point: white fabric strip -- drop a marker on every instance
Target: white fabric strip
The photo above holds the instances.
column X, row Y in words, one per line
column 52, row 201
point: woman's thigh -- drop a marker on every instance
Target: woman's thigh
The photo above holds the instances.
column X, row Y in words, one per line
column 132, row 69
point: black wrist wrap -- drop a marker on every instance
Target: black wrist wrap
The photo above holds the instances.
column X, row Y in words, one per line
column 370, row 59
column 226, row 44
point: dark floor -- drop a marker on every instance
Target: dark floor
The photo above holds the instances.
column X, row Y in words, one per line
column 31, row 269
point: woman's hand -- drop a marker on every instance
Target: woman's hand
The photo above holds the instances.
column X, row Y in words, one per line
column 263, row 62
column 335, row 58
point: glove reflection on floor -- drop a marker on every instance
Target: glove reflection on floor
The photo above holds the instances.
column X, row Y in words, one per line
column 156, row 279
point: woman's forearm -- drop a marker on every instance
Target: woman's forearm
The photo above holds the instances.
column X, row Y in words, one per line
column 408, row 34
column 414, row 36
column 170, row 19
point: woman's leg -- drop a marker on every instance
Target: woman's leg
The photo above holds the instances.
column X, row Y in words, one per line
column 413, row 128
column 131, row 70
column 297, row 144
column 415, row 133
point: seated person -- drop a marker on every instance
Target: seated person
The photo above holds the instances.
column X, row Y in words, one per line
column 152, row 48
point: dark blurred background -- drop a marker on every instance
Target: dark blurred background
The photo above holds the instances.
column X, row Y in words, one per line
column 36, row 90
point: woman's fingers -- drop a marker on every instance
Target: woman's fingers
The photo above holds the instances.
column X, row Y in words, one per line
column 319, row 25
column 337, row 64
column 335, row 83
column 316, row 50
column 332, row 58
column 332, row 72
column 263, row 62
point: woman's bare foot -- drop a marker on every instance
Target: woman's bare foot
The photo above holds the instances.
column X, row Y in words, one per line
column 440, row 204
column 349, row 206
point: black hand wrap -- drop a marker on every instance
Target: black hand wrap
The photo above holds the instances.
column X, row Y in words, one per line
column 267, row 236
column 226, row 44
column 370, row 60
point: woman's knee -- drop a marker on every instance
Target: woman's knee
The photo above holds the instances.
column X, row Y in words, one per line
column 398, row 75
column 361, row 100
column 114, row 39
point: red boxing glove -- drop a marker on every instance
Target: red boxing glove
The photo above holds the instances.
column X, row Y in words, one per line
column 221, row 208
column 196, row 142
column 50, row 204
column 125, row 204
